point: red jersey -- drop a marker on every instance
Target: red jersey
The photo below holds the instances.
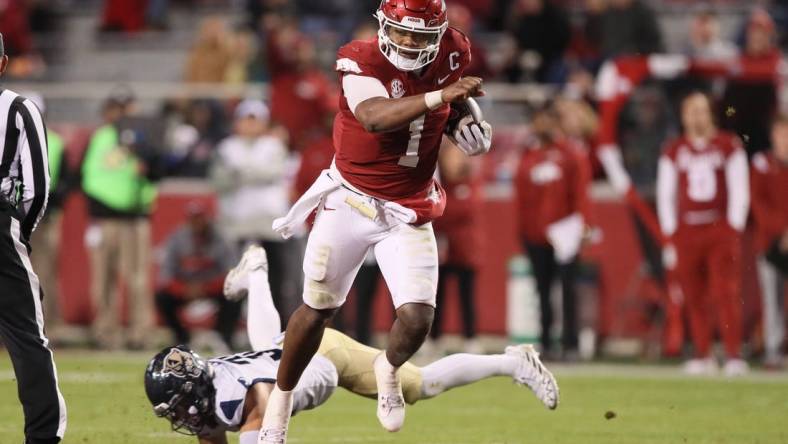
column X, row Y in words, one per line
column 551, row 184
column 769, row 179
column 702, row 188
column 398, row 165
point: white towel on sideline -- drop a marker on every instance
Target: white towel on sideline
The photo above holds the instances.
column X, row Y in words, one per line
column 565, row 236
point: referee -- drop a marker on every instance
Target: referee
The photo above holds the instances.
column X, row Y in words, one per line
column 24, row 185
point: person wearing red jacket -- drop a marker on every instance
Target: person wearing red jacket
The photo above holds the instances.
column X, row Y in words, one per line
column 769, row 181
column 460, row 240
column 702, row 204
column 552, row 206
column 303, row 98
column 196, row 259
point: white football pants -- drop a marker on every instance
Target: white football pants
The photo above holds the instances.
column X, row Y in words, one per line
column 347, row 225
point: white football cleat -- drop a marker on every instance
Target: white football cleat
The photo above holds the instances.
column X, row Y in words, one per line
column 532, row 373
column 273, row 436
column 391, row 403
column 236, row 283
column 701, row 367
column 735, row 367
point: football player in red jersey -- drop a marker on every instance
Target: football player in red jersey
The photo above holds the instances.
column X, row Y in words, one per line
column 380, row 193
column 702, row 202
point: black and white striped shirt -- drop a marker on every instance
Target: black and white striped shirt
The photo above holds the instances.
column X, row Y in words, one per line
column 24, row 166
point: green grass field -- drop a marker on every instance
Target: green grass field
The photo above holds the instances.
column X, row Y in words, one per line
column 651, row 405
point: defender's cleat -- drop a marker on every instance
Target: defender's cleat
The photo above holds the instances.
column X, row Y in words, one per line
column 391, row 403
column 236, row 283
column 532, row 373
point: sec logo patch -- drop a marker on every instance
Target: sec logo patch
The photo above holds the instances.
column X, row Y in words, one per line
column 397, row 88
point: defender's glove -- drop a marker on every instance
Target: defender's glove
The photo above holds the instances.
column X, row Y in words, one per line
column 468, row 129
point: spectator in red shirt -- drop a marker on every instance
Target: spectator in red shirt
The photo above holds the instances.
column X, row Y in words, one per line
column 302, row 96
column 196, row 260
column 459, row 239
column 124, row 15
column 702, row 202
column 551, row 195
column 769, row 179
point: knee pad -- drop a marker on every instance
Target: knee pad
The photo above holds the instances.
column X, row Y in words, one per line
column 319, row 296
column 317, row 293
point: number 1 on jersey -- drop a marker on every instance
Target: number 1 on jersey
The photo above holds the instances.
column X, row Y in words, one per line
column 411, row 157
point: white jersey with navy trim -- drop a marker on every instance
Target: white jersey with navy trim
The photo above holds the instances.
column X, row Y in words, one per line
column 235, row 374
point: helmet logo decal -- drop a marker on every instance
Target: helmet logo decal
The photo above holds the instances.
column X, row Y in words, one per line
column 180, row 364
column 408, row 20
column 397, row 88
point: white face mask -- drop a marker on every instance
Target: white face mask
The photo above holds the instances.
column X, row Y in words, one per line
column 404, row 63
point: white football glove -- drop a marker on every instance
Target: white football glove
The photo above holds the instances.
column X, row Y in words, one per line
column 473, row 138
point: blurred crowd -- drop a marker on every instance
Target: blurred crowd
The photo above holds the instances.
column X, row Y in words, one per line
column 250, row 148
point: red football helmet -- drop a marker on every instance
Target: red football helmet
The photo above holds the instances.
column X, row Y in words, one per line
column 423, row 20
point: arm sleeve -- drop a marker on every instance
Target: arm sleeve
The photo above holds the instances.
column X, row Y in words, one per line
column 360, row 88
column 35, row 166
column 667, row 183
column 738, row 180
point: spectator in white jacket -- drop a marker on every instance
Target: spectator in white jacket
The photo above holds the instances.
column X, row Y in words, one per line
column 251, row 178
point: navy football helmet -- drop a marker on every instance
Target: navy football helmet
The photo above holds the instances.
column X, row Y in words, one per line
column 179, row 384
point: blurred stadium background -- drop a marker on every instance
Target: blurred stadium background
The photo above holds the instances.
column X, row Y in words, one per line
column 619, row 67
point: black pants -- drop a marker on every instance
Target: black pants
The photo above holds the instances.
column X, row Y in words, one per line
column 466, row 278
column 366, row 284
column 226, row 319
column 545, row 269
column 22, row 331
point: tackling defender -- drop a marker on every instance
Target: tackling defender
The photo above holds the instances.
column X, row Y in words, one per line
column 210, row 398
column 398, row 91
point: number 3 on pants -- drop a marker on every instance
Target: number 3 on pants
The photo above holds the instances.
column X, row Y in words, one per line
column 411, row 157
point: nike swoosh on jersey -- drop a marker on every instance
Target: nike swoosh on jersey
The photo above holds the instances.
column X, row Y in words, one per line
column 443, row 79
